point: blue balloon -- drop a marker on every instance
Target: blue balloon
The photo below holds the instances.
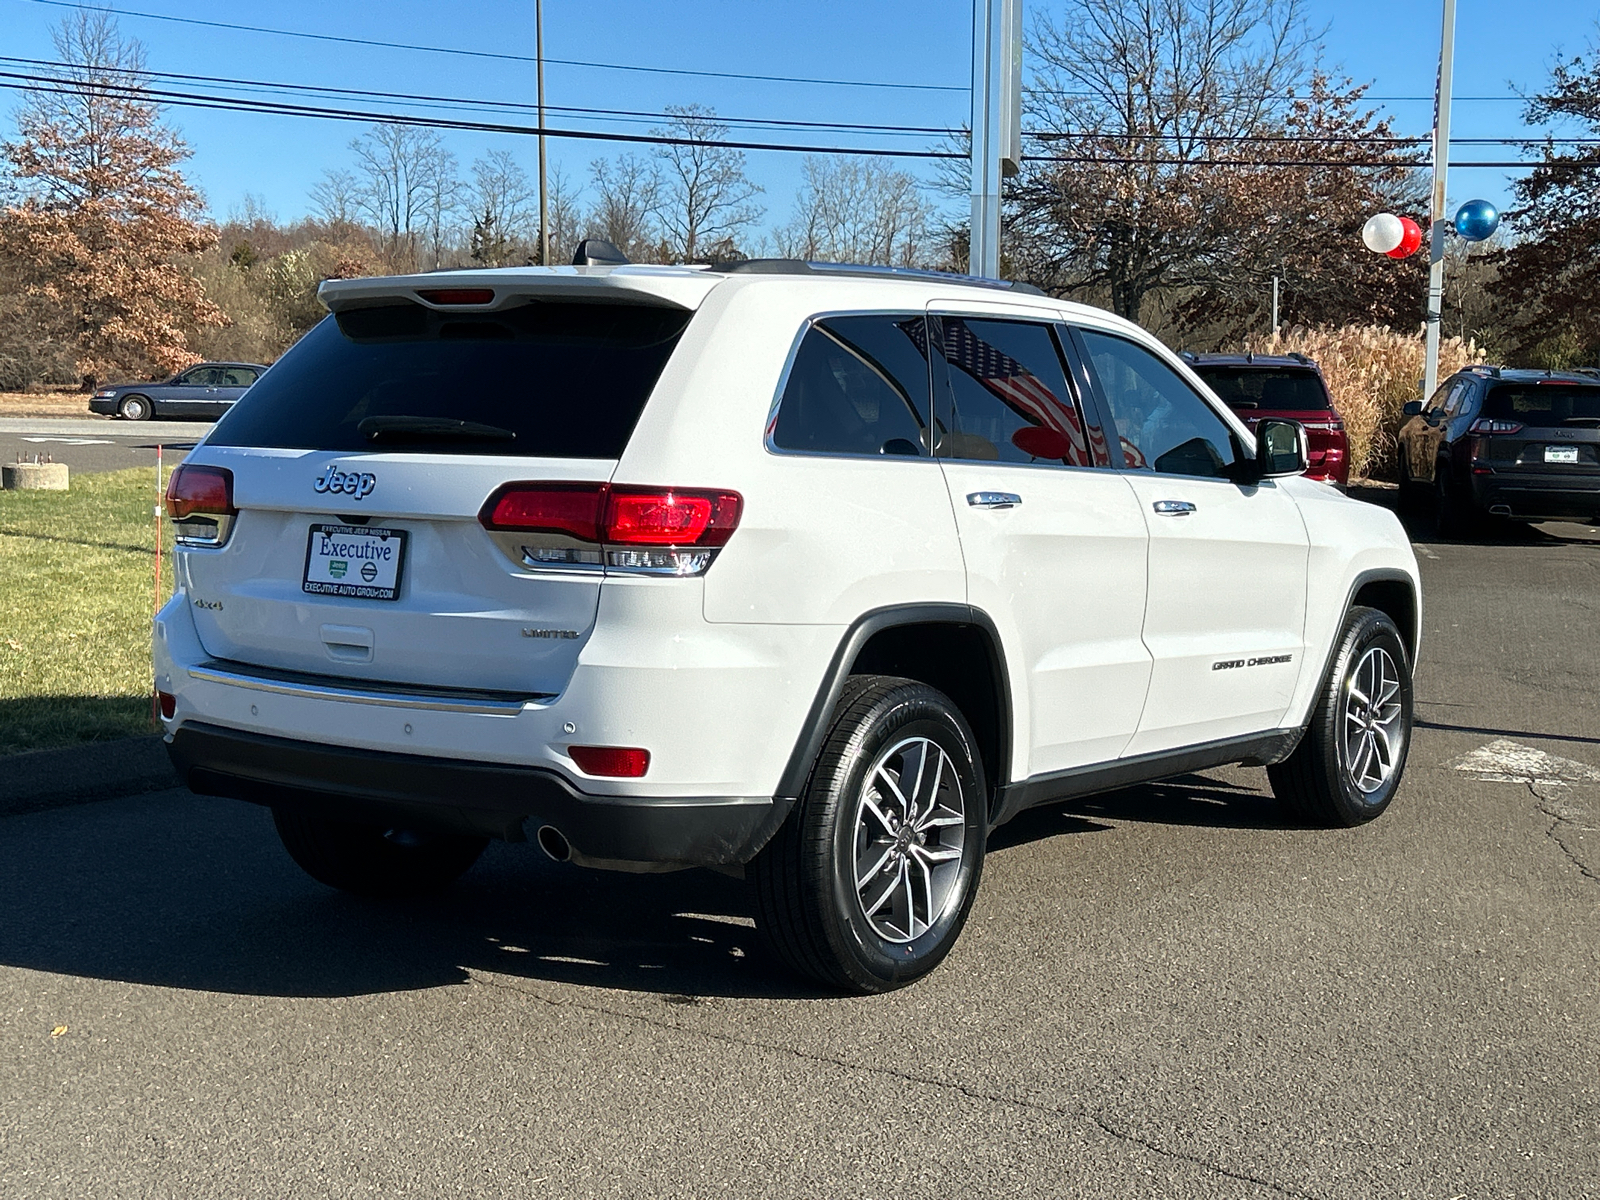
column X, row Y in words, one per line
column 1476, row 220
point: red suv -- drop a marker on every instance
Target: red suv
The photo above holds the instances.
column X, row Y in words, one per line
column 1281, row 385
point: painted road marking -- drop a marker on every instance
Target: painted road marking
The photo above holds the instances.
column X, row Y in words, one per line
column 71, row 441
column 1505, row 761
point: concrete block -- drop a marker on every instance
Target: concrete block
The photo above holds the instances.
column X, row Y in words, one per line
column 25, row 476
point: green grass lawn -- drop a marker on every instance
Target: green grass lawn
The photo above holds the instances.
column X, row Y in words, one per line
column 77, row 576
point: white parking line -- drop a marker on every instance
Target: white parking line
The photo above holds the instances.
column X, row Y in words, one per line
column 1505, row 761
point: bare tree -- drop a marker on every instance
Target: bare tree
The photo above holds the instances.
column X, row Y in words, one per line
column 626, row 192
column 563, row 216
column 706, row 202
column 407, row 187
column 1129, row 94
column 336, row 197
column 504, row 207
column 858, row 210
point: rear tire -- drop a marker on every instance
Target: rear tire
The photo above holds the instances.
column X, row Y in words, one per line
column 135, row 408
column 374, row 860
column 1454, row 513
column 869, row 882
column 1349, row 763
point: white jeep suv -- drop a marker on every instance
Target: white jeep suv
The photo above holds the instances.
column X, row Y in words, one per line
column 812, row 573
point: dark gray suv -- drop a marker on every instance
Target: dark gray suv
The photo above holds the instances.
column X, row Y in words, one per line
column 207, row 390
column 1497, row 442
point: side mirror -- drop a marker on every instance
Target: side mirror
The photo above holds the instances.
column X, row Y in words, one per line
column 1282, row 448
column 1413, row 408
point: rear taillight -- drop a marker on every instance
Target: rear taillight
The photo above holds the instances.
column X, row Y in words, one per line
column 1491, row 425
column 658, row 531
column 200, row 503
column 617, row 762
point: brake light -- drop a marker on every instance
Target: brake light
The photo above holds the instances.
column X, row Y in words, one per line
column 1490, row 425
column 200, row 490
column 618, row 762
column 636, row 517
column 457, row 295
column 200, row 503
column 671, row 531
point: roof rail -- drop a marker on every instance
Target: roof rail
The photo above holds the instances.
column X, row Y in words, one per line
column 1484, row 369
column 796, row 266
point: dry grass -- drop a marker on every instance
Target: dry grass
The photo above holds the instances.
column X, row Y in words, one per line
column 76, row 598
column 1372, row 371
column 45, row 404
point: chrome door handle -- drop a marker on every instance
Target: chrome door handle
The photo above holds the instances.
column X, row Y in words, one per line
column 993, row 499
column 1173, row 508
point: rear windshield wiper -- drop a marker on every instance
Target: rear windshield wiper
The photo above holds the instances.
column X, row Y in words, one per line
column 426, row 429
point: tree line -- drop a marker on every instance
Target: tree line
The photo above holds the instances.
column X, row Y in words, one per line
column 1181, row 154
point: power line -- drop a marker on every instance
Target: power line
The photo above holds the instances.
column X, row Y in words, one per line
column 523, row 58
column 50, row 85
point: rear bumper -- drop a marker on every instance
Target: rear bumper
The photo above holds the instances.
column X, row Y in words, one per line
column 1531, row 497
column 484, row 798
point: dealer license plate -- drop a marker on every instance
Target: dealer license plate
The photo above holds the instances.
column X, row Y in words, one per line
column 1568, row 454
column 353, row 560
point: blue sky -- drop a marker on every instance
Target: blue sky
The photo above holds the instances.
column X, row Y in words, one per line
column 277, row 159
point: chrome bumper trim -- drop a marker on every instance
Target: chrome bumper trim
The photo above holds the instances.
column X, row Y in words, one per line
column 315, row 687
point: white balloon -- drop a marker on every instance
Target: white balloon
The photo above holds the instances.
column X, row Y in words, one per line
column 1383, row 233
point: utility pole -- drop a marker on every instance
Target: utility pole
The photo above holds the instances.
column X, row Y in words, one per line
column 1439, row 224
column 996, row 123
column 538, row 43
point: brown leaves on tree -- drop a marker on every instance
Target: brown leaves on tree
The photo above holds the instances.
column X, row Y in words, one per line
column 107, row 218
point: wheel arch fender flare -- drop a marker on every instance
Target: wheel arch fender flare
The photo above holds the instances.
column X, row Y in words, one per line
column 848, row 652
column 1393, row 578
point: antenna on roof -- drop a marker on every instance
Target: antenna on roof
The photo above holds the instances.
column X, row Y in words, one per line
column 597, row 252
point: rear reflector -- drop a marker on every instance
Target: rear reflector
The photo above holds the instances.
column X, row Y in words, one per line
column 616, row 762
column 168, row 703
column 200, row 490
column 458, row 295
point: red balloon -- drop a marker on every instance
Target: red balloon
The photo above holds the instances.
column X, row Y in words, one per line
column 1411, row 242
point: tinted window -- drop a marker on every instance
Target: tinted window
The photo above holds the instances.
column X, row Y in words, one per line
column 1285, row 388
column 1009, row 394
column 200, row 377
column 557, row 380
column 237, row 377
column 1544, row 404
column 1163, row 423
column 858, row 385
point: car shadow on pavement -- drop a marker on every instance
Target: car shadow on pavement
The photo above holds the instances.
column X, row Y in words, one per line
column 1421, row 523
column 173, row 890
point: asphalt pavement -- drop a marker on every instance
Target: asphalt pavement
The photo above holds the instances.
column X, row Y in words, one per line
column 1164, row 992
column 97, row 443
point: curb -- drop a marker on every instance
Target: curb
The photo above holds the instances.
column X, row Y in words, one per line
column 43, row 779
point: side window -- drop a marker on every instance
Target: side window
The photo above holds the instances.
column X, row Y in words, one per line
column 1458, row 397
column 237, row 377
column 858, row 385
column 1163, row 424
column 202, row 377
column 1439, row 399
column 1009, row 394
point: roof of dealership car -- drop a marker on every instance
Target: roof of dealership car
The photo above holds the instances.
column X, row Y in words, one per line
column 1262, row 361
column 1582, row 376
column 685, row 286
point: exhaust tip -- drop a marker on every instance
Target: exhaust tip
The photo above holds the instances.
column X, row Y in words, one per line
column 554, row 844
column 1499, row 510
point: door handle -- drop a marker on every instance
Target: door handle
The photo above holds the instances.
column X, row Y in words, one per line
column 993, row 499
column 1173, row 508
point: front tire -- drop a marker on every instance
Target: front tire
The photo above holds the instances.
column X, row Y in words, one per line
column 372, row 859
column 868, row 884
column 1348, row 766
column 135, row 408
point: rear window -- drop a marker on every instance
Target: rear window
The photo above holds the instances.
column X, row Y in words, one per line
column 1544, row 403
column 1269, row 388
column 549, row 380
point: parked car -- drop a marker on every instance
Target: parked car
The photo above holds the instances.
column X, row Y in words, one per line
column 1493, row 442
column 207, row 390
column 1283, row 387
column 808, row 573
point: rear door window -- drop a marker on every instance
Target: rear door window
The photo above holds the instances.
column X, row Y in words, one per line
column 858, row 385
column 1009, row 396
column 1279, row 388
column 1544, row 404
column 544, row 379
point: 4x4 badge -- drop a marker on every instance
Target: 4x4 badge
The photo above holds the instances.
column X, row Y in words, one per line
column 349, row 483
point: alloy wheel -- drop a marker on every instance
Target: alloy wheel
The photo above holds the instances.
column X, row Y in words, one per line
column 910, row 832
column 1374, row 724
